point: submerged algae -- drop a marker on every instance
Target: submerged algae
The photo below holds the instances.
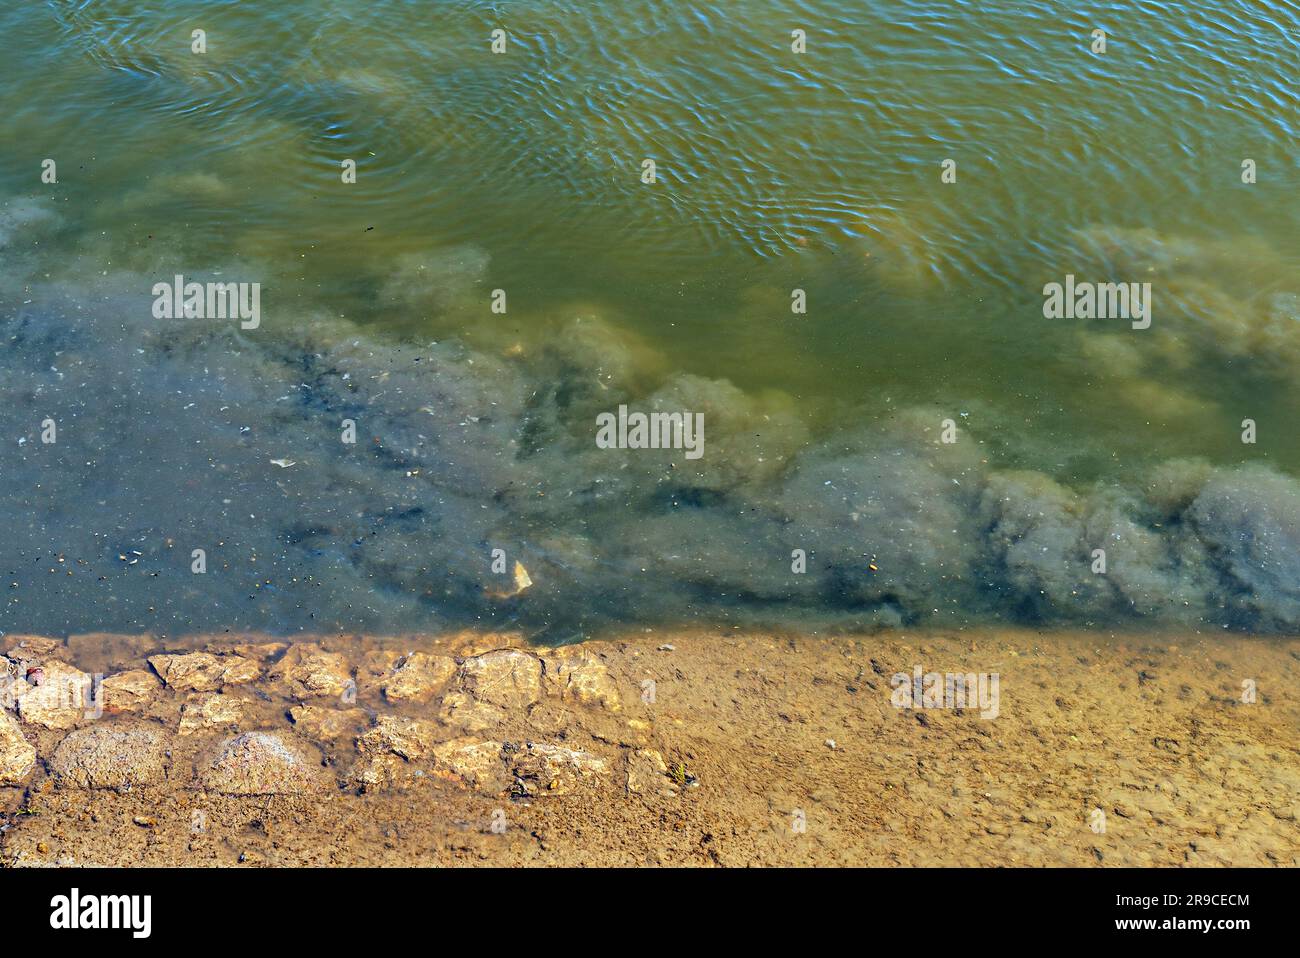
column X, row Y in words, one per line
column 169, row 437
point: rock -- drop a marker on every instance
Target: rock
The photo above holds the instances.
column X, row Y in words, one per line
column 409, row 738
column 376, row 667
column 388, row 748
column 326, row 724
column 647, row 774
column 263, row 763
column 308, row 671
column 419, row 677
column 62, row 700
column 580, row 677
column 30, row 648
column 211, row 711
column 378, row 663
column 476, row 764
column 506, row 677
column 554, row 769
column 203, row 671
column 17, row 756
column 12, row 684
column 381, row 771
column 112, row 755
column 633, row 734
column 471, row 642
column 262, row 651
column 466, row 713
column 129, row 691
column 108, row 647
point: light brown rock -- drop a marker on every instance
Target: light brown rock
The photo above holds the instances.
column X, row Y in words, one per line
column 17, row 756
column 263, row 763
column 580, row 677
column 409, row 738
column 203, row 671
column 212, row 711
column 30, row 647
column 378, row 663
column 262, row 651
column 129, row 691
column 506, row 677
column 307, row 671
column 463, row 712
column 476, row 764
column 381, row 771
column 555, row 770
column 63, row 698
column 112, row 755
column 419, row 677
column 326, row 724
column 12, row 685
column 388, row 749
column 471, row 642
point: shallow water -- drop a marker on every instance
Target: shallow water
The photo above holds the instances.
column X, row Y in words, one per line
column 521, row 171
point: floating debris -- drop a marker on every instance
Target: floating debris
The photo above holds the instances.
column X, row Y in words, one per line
column 522, row 581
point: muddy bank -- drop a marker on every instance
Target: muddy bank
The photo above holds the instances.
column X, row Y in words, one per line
column 684, row 748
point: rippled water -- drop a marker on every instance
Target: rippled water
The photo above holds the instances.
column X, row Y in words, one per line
column 776, row 171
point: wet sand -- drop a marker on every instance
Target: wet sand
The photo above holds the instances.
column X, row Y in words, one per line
column 475, row 749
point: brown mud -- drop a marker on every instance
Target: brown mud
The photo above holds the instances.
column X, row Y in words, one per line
column 655, row 748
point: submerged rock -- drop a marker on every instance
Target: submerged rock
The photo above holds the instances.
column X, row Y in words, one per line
column 112, row 755
column 477, row 764
column 326, row 724
column 506, row 677
column 203, row 671
column 463, row 712
column 373, row 772
column 130, row 691
column 17, row 756
column 578, row 676
column 30, row 648
column 419, row 677
column 542, row 769
column 308, row 671
column 406, row 737
column 62, row 700
column 387, row 750
column 263, row 763
column 211, row 711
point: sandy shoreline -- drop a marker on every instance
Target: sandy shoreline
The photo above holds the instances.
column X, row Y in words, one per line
column 653, row 748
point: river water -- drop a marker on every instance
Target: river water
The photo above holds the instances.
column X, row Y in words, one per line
column 819, row 170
